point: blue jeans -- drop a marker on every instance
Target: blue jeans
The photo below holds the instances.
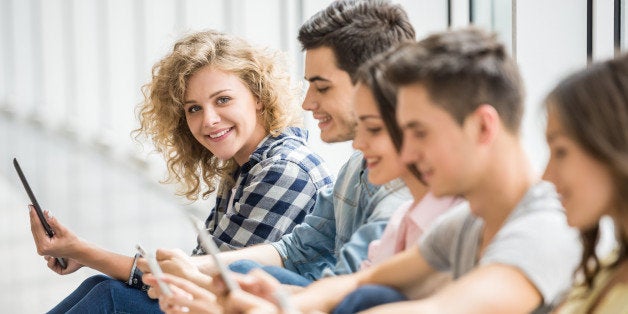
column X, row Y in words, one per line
column 102, row 294
column 284, row 276
column 367, row 297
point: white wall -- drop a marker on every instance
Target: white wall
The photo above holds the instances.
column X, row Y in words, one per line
column 78, row 66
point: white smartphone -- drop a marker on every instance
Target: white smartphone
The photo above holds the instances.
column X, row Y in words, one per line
column 155, row 269
column 210, row 246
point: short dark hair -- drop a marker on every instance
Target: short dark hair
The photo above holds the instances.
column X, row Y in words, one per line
column 356, row 30
column 461, row 70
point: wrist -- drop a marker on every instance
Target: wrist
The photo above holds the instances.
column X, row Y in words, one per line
column 77, row 249
column 204, row 264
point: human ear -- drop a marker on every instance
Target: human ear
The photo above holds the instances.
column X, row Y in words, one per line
column 487, row 120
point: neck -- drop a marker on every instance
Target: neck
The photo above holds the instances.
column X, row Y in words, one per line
column 505, row 180
column 416, row 187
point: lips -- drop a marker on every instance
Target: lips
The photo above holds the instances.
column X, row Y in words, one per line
column 426, row 174
column 322, row 118
column 219, row 134
column 371, row 161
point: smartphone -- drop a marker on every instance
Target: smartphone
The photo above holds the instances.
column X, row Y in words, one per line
column 155, row 269
column 210, row 246
column 38, row 210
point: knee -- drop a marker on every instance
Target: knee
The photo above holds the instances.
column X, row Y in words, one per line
column 93, row 281
column 244, row 266
column 109, row 286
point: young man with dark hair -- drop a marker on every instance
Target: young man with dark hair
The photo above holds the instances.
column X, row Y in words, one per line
column 510, row 250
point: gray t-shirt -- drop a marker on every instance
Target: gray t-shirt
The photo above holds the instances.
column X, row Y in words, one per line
column 535, row 238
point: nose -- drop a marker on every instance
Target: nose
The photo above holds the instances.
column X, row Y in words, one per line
column 409, row 155
column 210, row 116
column 548, row 175
column 310, row 103
column 358, row 141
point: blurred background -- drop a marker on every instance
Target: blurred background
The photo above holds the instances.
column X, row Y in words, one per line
column 70, row 78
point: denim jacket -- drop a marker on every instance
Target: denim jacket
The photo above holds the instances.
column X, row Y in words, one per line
column 334, row 238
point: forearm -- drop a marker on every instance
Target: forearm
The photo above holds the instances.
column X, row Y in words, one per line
column 264, row 254
column 112, row 264
column 325, row 294
column 402, row 271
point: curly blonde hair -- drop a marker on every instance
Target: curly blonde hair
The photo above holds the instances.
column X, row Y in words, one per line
column 162, row 117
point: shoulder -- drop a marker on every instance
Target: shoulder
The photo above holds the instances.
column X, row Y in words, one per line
column 288, row 153
column 348, row 178
column 615, row 299
column 353, row 167
column 582, row 299
column 459, row 217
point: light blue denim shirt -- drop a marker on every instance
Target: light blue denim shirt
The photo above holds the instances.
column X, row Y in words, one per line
column 334, row 238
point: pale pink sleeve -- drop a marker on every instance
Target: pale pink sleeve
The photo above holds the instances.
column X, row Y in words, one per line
column 382, row 249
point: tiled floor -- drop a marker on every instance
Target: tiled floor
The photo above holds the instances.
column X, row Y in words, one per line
column 105, row 201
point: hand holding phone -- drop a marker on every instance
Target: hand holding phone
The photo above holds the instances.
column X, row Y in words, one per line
column 210, row 247
column 38, row 210
column 155, row 269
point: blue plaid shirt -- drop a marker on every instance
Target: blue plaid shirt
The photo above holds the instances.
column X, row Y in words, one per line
column 273, row 192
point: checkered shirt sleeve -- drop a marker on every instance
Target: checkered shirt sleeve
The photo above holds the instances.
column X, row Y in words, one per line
column 270, row 201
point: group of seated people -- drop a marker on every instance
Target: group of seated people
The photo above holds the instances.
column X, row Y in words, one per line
column 438, row 210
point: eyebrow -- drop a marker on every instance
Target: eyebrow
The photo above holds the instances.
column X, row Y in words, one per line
column 210, row 96
column 316, row 78
column 411, row 125
column 553, row 135
column 369, row 116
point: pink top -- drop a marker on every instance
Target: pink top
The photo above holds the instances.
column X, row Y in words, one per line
column 406, row 226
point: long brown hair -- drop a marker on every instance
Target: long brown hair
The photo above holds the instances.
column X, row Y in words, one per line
column 592, row 105
column 371, row 74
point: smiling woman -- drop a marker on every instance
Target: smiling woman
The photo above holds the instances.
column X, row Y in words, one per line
column 586, row 133
column 221, row 113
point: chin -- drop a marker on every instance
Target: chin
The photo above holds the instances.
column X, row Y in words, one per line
column 445, row 193
column 334, row 136
column 223, row 156
column 581, row 224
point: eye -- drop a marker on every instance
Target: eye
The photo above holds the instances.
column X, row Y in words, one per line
column 374, row 130
column 322, row 90
column 194, row 108
column 559, row 152
column 223, row 100
column 420, row 134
